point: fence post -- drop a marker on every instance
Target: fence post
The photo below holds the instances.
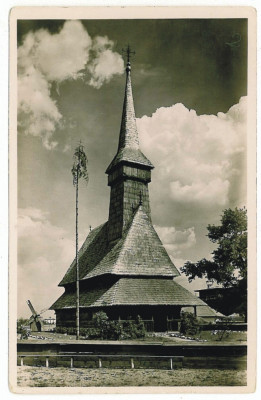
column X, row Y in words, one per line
column 171, row 364
column 22, row 361
column 71, row 362
column 100, row 363
column 47, row 362
column 132, row 363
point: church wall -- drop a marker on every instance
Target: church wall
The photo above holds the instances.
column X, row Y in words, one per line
column 67, row 318
column 159, row 314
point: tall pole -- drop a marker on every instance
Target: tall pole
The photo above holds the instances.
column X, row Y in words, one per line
column 79, row 170
column 77, row 260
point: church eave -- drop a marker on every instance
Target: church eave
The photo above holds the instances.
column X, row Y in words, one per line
column 140, row 161
column 132, row 292
column 126, row 274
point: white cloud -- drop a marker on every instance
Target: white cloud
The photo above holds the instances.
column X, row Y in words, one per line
column 203, row 192
column 44, row 253
column 199, row 158
column 38, row 114
column 176, row 241
column 196, row 284
column 45, row 58
column 57, row 56
column 105, row 62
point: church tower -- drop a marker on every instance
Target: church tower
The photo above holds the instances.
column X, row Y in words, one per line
column 124, row 269
column 129, row 172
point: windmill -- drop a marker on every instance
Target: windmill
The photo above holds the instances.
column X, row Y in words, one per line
column 35, row 321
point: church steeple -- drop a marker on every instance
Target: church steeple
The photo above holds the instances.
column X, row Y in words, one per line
column 128, row 148
column 128, row 133
column 130, row 171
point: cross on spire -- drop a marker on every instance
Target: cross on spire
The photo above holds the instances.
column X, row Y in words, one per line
column 128, row 53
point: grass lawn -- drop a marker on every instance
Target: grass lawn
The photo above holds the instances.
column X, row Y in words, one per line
column 232, row 337
column 80, row 377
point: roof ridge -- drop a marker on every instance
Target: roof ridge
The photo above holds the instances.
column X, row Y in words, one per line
column 89, row 239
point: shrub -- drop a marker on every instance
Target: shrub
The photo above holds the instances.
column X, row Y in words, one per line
column 114, row 330
column 61, row 329
column 129, row 330
column 133, row 329
column 140, row 327
column 189, row 324
column 71, row 331
column 225, row 332
column 20, row 323
column 20, row 328
column 105, row 329
column 93, row 333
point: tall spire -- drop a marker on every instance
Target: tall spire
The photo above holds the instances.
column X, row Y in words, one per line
column 128, row 148
column 128, row 133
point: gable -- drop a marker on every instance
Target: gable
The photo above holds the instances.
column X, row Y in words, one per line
column 92, row 251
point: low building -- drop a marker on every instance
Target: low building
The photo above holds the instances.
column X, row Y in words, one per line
column 225, row 300
column 205, row 313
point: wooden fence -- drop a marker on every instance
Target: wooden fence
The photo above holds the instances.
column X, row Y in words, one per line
column 100, row 361
column 173, row 325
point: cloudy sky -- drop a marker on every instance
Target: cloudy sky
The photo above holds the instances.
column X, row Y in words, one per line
column 190, row 90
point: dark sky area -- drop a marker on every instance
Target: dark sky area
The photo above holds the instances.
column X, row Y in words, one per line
column 203, row 61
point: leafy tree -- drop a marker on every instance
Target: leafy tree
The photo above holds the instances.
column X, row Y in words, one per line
column 229, row 264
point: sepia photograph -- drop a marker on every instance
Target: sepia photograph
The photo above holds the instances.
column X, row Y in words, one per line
column 133, row 173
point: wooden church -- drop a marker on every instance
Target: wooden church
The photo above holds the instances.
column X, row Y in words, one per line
column 124, row 269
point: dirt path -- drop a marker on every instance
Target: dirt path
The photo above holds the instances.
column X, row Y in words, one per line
column 80, row 377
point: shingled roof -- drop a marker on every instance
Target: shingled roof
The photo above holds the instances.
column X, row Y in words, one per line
column 133, row 291
column 90, row 254
column 139, row 252
column 128, row 149
column 87, row 298
column 131, row 156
